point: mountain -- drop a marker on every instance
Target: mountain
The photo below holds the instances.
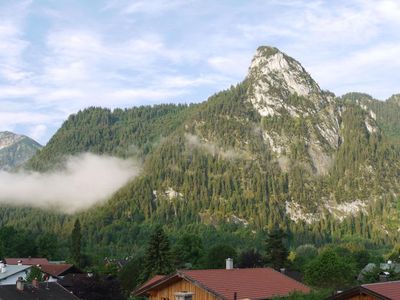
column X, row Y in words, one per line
column 15, row 150
column 274, row 150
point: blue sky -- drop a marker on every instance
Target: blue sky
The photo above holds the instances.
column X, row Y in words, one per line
column 57, row 57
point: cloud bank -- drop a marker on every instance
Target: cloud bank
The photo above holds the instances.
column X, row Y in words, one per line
column 84, row 181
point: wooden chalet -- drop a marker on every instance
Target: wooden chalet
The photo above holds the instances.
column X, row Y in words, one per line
column 226, row 284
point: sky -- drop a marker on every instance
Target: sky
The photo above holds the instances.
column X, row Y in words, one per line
column 58, row 57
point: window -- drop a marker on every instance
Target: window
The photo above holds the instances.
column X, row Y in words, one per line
column 184, row 295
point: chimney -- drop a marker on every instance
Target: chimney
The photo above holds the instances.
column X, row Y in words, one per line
column 19, row 263
column 283, row 270
column 229, row 263
column 3, row 268
column 20, row 284
column 35, row 283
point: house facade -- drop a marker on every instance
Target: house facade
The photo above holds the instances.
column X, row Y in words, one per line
column 229, row 284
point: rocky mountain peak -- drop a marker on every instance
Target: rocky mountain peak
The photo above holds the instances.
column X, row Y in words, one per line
column 275, row 77
column 8, row 138
column 15, row 150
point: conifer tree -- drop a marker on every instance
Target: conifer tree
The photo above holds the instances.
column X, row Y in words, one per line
column 275, row 249
column 76, row 239
column 158, row 258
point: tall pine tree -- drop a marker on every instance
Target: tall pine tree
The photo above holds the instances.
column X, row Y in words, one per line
column 158, row 258
column 76, row 240
column 275, row 249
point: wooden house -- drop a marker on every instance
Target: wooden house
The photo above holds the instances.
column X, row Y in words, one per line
column 226, row 284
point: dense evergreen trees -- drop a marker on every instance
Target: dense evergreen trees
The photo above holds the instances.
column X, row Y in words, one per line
column 230, row 186
column 158, row 259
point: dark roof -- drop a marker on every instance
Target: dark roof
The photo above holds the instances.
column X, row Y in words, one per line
column 56, row 270
column 382, row 290
column 51, row 290
column 69, row 280
column 27, row 261
column 257, row 283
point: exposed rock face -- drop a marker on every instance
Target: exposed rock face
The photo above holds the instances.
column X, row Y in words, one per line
column 15, row 150
column 275, row 76
column 281, row 88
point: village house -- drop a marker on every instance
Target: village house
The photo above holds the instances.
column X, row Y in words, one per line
column 227, row 284
column 389, row 290
column 52, row 271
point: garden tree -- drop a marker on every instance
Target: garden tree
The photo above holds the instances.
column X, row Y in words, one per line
column 346, row 255
column 250, row 259
column 276, row 252
column 370, row 275
column 158, row 258
column 76, row 243
column 188, row 249
column 329, row 270
column 303, row 255
column 217, row 255
column 34, row 273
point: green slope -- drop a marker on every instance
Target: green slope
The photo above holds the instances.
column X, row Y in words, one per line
column 226, row 172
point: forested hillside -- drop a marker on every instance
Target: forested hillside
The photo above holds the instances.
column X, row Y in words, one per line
column 274, row 150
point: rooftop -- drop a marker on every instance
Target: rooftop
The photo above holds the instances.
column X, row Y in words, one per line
column 12, row 270
column 51, row 290
column 56, row 270
column 390, row 289
column 27, row 261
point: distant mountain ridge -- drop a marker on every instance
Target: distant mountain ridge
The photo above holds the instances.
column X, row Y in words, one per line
column 274, row 150
column 15, row 150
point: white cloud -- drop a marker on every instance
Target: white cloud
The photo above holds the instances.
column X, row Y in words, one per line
column 85, row 181
column 234, row 64
column 154, row 7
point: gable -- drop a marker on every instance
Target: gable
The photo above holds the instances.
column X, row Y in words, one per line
column 168, row 292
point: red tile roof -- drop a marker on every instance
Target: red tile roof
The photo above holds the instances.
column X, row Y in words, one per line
column 257, row 283
column 390, row 289
column 27, row 261
column 151, row 281
column 56, row 270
